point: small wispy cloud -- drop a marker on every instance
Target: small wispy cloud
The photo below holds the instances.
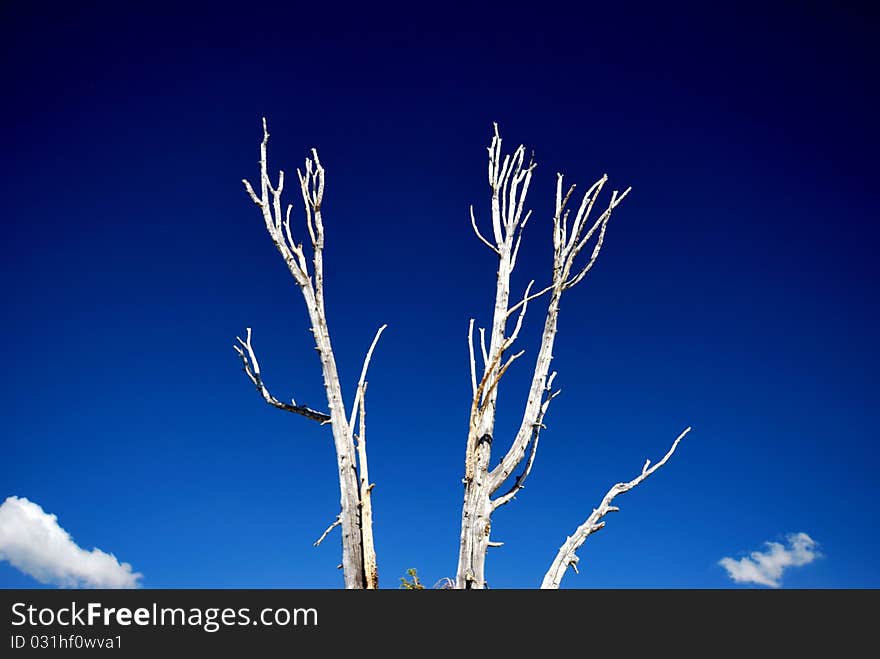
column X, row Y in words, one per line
column 766, row 568
column 32, row 541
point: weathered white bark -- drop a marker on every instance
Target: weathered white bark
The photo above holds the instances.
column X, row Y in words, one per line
column 569, row 239
column 566, row 556
column 509, row 181
column 371, row 570
column 251, row 367
column 505, row 179
column 519, row 482
column 312, row 289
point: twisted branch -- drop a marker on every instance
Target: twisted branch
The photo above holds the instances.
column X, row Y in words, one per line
column 251, row 367
column 566, row 557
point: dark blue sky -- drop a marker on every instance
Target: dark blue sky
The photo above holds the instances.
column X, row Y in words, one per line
column 736, row 291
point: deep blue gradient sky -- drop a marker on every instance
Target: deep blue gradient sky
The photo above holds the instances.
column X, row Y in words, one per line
column 736, row 291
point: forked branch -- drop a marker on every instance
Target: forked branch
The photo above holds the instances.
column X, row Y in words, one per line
column 251, row 367
column 519, row 482
column 569, row 238
column 277, row 225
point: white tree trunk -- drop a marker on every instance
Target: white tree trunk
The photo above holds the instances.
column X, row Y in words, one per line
column 371, row 570
column 355, row 517
column 507, row 222
column 346, row 464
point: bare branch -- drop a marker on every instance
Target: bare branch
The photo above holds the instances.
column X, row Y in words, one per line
column 501, row 373
column 319, row 191
column 312, row 188
column 519, row 483
column 583, row 212
column 371, row 572
column 250, row 191
column 304, row 183
column 361, row 380
column 560, row 217
column 519, row 240
column 480, row 236
column 482, row 393
column 508, row 199
column 616, row 199
column 312, row 289
column 487, row 381
column 566, row 557
column 288, row 233
column 601, row 222
column 589, row 266
column 336, row 522
column 271, row 212
column 517, row 201
column 494, row 182
column 276, row 200
column 514, row 203
column 527, row 299
column 509, row 181
column 478, row 390
column 517, row 451
column 294, row 248
column 525, row 303
column 264, row 172
column 566, row 248
column 471, row 352
column 252, row 368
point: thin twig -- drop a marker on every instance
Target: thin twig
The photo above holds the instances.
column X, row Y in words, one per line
column 480, row 235
column 336, row 522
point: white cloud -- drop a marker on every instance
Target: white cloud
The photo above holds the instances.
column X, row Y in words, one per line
column 32, row 541
column 765, row 568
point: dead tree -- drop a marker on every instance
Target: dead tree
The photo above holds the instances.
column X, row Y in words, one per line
column 355, row 517
column 509, row 179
